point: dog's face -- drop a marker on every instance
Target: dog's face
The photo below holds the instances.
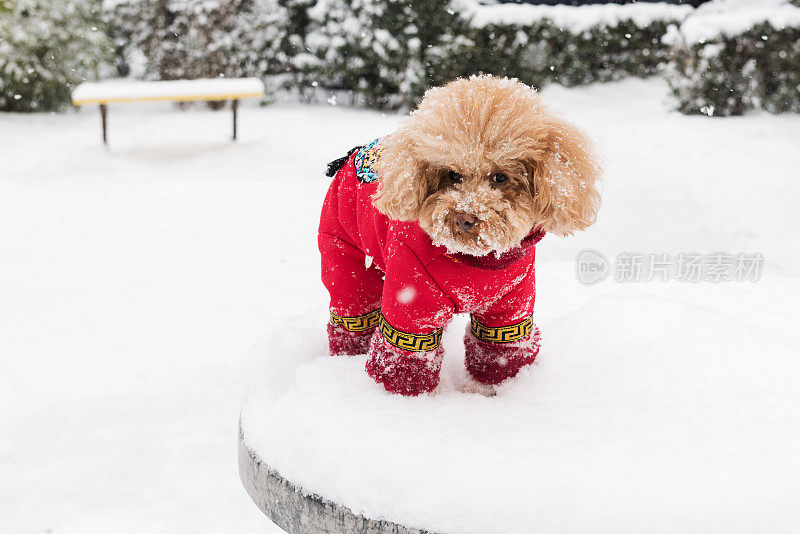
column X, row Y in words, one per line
column 482, row 162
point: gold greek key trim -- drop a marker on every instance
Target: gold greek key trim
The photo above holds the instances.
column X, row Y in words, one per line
column 409, row 342
column 502, row 334
column 359, row 323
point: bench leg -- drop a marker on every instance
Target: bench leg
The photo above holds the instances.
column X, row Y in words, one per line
column 235, row 108
column 103, row 114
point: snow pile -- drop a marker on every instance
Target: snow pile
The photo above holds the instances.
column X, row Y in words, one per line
column 733, row 17
column 643, row 413
column 577, row 19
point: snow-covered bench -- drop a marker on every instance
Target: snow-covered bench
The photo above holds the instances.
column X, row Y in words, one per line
column 112, row 91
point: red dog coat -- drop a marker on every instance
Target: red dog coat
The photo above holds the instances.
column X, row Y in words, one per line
column 392, row 291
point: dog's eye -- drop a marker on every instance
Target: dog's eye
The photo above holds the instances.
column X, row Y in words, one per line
column 499, row 178
column 454, row 177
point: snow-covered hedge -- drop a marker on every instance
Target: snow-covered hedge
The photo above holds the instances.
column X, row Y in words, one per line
column 735, row 55
column 46, row 48
column 723, row 58
column 572, row 45
column 387, row 52
column 187, row 39
column 390, row 52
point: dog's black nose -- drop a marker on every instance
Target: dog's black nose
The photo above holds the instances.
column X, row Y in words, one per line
column 465, row 221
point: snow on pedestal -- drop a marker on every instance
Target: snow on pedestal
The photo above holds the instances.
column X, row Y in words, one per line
column 653, row 410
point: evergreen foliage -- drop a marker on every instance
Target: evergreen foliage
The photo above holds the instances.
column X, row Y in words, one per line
column 390, row 52
column 543, row 52
column 187, row 39
column 387, row 51
column 384, row 52
column 730, row 75
column 46, row 48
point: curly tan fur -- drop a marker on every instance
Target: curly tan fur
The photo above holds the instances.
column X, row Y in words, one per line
column 480, row 127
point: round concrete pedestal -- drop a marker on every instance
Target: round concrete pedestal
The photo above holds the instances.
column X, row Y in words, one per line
column 297, row 512
column 635, row 418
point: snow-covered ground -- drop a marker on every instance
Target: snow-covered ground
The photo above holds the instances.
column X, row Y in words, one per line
column 135, row 279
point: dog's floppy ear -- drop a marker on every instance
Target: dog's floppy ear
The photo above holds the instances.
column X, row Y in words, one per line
column 403, row 178
column 566, row 178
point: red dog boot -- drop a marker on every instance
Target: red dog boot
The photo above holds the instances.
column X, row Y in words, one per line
column 350, row 334
column 344, row 342
column 491, row 362
column 401, row 371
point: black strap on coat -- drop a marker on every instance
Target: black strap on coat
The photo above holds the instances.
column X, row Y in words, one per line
column 335, row 165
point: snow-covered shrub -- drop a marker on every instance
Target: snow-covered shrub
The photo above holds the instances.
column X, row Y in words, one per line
column 297, row 61
column 296, row 25
column 711, row 78
column 187, row 39
column 522, row 52
column 572, row 45
column 541, row 51
column 46, row 48
column 389, row 52
column 735, row 55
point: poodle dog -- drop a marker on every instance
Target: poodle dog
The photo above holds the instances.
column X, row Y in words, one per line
column 442, row 217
